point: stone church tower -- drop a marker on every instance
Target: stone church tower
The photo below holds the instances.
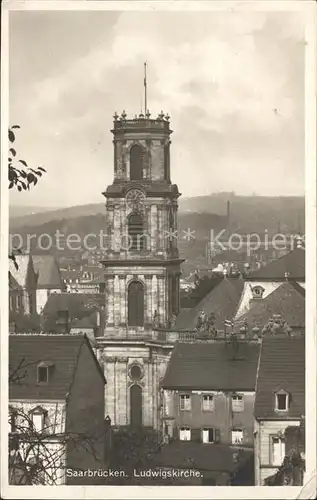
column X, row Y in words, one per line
column 142, row 269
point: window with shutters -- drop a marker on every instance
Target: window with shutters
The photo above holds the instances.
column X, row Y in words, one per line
column 277, row 450
column 237, row 403
column 282, row 401
column 184, row 402
column 208, row 435
column 136, row 162
column 237, row 436
column 184, row 434
column 136, row 232
column 135, row 304
column 208, row 403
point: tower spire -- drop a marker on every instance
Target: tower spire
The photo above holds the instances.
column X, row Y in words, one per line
column 145, row 89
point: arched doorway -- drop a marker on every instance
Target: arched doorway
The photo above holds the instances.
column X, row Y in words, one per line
column 136, row 304
column 136, row 406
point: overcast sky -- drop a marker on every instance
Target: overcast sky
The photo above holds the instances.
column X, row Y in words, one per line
column 233, row 84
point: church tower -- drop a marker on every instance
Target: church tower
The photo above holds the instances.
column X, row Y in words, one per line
column 142, row 269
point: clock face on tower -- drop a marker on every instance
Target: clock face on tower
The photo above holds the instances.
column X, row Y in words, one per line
column 135, row 198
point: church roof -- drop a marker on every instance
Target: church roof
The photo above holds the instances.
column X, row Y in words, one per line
column 222, row 300
column 212, row 366
column 281, row 367
column 19, row 269
column 292, row 263
column 288, row 300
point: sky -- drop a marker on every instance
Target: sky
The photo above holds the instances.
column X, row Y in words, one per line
column 232, row 82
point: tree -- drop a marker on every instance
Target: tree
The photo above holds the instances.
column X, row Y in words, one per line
column 277, row 326
column 21, row 176
column 134, row 450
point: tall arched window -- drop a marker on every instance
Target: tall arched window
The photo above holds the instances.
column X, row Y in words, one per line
column 135, row 406
column 136, row 232
column 167, row 162
column 136, row 304
column 136, row 162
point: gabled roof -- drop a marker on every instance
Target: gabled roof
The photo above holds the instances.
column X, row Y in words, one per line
column 49, row 275
column 20, row 271
column 27, row 351
column 212, row 366
column 288, row 300
column 292, row 263
column 282, row 367
column 13, row 284
column 223, row 301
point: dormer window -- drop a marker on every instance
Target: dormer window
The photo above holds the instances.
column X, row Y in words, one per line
column 282, row 401
column 44, row 370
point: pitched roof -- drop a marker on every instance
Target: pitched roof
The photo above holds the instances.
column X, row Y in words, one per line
column 222, row 301
column 189, row 454
column 26, row 351
column 20, row 271
column 212, row 366
column 282, row 367
column 292, row 263
column 49, row 275
column 74, row 303
column 288, row 300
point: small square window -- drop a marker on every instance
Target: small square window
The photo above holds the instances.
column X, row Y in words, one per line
column 184, row 402
column 208, row 403
column 184, row 434
column 237, row 403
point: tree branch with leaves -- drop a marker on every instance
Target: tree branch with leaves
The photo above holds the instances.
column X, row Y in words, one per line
column 21, row 176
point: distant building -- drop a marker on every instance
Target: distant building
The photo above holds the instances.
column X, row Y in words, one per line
column 286, row 302
column 22, row 285
column 49, row 279
column 56, row 420
column 290, row 266
column 279, row 402
column 74, row 313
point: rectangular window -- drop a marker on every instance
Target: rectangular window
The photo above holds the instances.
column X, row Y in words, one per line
column 208, row 435
column 184, row 434
column 38, row 421
column 237, row 436
column 184, row 402
column 42, row 374
column 237, row 403
column 277, row 450
column 281, row 401
column 208, row 403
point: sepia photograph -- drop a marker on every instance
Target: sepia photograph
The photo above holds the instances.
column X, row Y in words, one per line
column 158, row 249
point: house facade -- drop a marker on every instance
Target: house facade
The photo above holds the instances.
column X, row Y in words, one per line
column 280, row 401
column 56, row 420
column 209, row 393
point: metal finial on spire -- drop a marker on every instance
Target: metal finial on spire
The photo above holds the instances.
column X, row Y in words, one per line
column 145, row 89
